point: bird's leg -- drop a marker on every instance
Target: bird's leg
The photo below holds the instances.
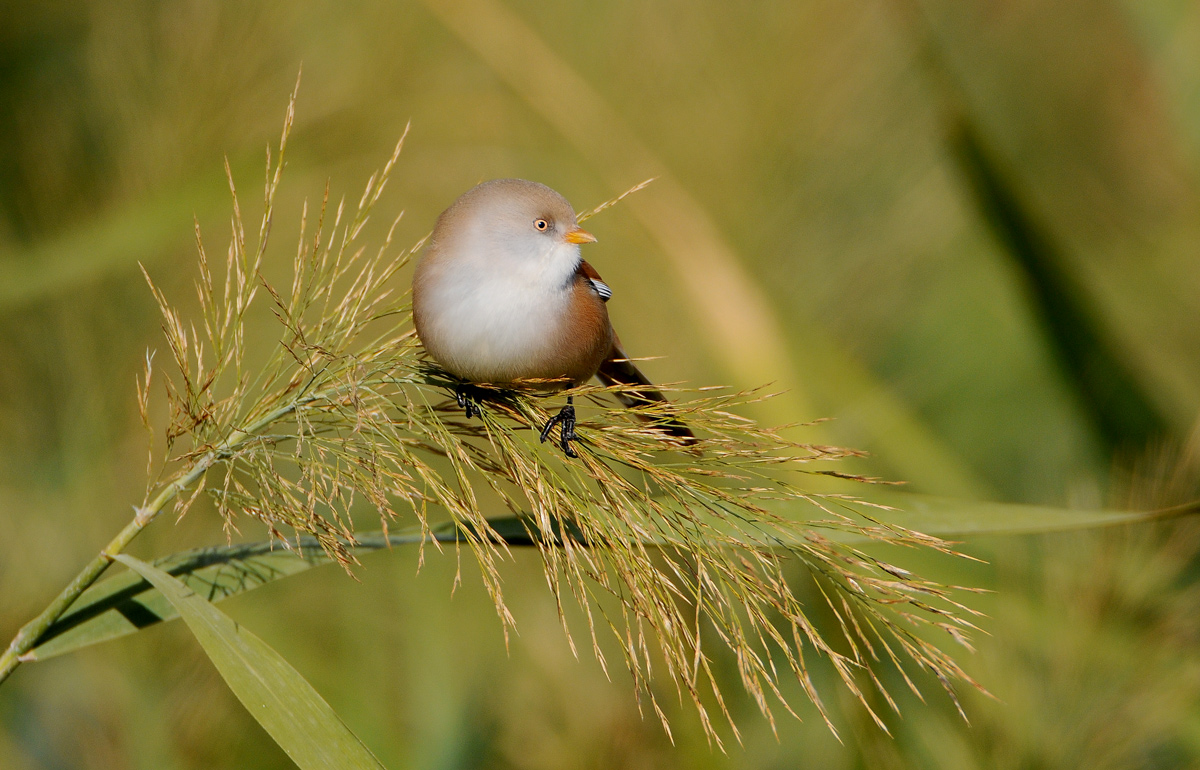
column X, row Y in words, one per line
column 465, row 399
column 566, row 416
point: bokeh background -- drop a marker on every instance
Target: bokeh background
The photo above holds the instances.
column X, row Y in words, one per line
column 968, row 231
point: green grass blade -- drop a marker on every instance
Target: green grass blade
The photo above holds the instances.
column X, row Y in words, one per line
column 943, row 517
column 125, row 603
column 274, row 693
column 960, row 519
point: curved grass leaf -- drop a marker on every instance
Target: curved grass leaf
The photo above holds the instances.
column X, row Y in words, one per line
column 942, row 517
column 274, row 693
column 958, row 519
column 125, row 603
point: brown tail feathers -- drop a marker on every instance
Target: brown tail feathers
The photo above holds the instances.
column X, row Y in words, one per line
column 618, row 370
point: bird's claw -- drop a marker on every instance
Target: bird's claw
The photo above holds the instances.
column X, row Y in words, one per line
column 565, row 417
column 466, row 402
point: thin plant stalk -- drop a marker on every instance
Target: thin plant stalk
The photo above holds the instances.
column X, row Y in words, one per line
column 27, row 638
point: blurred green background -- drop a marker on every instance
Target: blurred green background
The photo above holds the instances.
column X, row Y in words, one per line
column 968, row 231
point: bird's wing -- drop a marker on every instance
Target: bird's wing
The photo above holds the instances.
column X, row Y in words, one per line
column 589, row 272
column 617, row 369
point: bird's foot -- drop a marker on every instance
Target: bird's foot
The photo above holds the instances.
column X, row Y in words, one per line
column 467, row 399
column 565, row 417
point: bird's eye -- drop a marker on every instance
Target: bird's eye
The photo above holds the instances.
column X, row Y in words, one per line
column 542, row 225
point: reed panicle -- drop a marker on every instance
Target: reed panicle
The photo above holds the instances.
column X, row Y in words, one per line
column 673, row 551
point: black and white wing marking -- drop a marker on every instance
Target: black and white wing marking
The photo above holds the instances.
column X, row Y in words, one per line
column 589, row 272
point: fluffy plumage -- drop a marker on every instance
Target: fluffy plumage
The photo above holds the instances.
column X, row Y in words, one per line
column 502, row 294
column 497, row 300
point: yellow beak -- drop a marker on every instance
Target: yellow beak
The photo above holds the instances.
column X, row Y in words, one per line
column 579, row 235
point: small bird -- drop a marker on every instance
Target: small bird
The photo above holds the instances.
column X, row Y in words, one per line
column 501, row 295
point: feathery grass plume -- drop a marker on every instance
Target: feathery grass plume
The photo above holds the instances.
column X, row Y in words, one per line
column 670, row 551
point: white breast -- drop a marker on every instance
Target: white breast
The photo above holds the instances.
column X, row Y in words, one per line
column 490, row 318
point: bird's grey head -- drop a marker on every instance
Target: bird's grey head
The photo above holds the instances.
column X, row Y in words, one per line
column 512, row 219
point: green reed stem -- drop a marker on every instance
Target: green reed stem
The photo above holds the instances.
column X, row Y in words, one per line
column 32, row 631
